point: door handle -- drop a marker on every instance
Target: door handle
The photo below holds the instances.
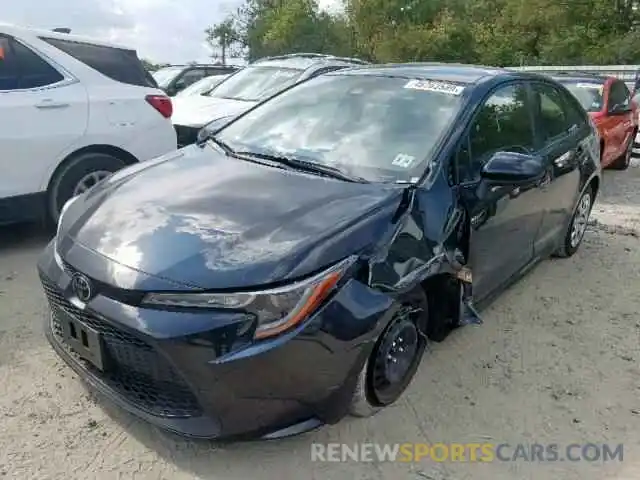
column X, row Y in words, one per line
column 44, row 104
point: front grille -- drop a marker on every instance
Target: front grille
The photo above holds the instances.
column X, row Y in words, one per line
column 130, row 297
column 136, row 370
column 186, row 135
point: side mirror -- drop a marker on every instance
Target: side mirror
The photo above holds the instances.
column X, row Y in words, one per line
column 212, row 128
column 511, row 168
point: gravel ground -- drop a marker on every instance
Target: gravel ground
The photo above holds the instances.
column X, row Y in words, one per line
column 555, row 362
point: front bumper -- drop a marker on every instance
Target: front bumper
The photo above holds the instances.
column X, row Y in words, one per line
column 195, row 375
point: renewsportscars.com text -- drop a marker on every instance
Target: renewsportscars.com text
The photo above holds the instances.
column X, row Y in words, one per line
column 467, row 452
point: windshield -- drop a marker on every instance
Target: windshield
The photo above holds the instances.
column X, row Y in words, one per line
column 377, row 128
column 589, row 94
column 202, row 87
column 253, row 84
column 164, row 76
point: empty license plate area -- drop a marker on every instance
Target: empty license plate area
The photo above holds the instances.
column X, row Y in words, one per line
column 82, row 339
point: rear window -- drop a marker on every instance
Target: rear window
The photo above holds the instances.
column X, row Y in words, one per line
column 118, row 64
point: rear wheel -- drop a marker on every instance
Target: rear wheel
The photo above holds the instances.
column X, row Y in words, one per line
column 394, row 360
column 77, row 176
column 577, row 226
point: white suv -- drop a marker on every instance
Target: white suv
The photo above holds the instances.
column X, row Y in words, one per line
column 72, row 111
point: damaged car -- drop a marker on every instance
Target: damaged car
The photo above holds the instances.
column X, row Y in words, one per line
column 292, row 267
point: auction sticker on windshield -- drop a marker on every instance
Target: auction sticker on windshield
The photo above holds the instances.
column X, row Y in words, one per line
column 403, row 160
column 434, row 86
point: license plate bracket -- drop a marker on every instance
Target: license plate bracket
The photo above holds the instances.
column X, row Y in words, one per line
column 85, row 341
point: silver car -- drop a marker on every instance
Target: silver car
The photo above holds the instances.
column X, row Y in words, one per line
column 243, row 89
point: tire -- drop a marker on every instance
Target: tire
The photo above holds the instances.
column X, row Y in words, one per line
column 570, row 246
column 624, row 160
column 368, row 397
column 82, row 168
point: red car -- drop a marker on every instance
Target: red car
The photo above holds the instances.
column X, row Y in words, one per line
column 610, row 106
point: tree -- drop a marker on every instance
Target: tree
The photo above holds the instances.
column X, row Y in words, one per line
column 491, row 32
column 222, row 38
column 150, row 66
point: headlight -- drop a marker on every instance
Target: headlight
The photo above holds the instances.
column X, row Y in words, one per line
column 275, row 310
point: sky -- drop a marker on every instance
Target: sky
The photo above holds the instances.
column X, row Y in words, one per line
column 167, row 31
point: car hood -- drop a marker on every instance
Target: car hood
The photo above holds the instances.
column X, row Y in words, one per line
column 198, row 110
column 200, row 218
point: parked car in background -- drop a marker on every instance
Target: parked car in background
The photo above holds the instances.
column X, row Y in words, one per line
column 176, row 78
column 202, row 87
column 636, row 143
column 290, row 268
column 72, row 111
column 611, row 108
column 245, row 88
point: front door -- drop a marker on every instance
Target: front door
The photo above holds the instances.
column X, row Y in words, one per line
column 620, row 98
column 504, row 219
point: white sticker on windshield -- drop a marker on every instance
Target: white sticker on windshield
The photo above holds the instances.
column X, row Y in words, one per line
column 403, row 160
column 433, row 86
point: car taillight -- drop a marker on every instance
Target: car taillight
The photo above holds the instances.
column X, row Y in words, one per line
column 161, row 103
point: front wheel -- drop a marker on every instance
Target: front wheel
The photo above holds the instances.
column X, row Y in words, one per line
column 577, row 226
column 393, row 362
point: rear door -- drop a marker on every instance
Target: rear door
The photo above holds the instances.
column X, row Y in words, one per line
column 560, row 128
column 44, row 112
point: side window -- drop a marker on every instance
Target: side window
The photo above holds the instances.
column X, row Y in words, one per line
column 576, row 114
column 9, row 79
column 193, row 75
column 503, row 123
column 21, row 68
column 34, row 71
column 116, row 63
column 553, row 113
column 618, row 95
column 216, row 71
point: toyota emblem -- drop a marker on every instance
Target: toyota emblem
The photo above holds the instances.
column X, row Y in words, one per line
column 81, row 287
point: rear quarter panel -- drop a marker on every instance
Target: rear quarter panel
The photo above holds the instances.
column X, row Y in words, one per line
column 118, row 114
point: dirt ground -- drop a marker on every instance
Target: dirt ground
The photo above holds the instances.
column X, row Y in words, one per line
column 555, row 362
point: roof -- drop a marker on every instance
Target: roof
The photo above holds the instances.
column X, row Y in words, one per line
column 305, row 60
column 450, row 72
column 207, row 65
column 22, row 31
column 585, row 77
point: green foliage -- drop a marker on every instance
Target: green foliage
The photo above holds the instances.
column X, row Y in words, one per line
column 223, row 38
column 152, row 67
column 492, row 32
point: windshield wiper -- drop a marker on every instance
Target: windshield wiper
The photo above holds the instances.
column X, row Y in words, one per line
column 307, row 166
column 204, row 136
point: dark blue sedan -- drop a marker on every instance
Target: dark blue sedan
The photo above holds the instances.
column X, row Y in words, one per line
column 292, row 266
